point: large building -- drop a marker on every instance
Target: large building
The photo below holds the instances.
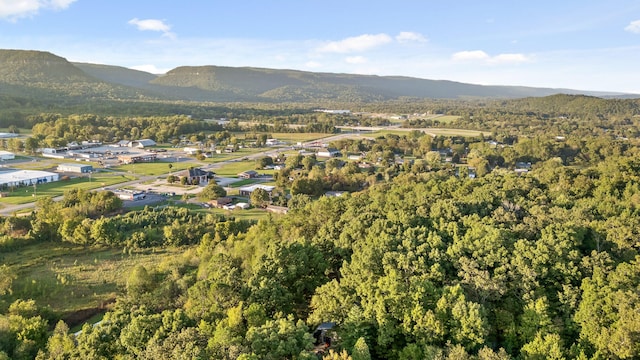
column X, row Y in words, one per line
column 137, row 158
column 75, row 168
column 26, row 177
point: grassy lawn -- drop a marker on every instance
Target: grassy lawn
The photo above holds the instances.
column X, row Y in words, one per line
column 434, row 131
column 249, row 214
column 456, row 132
column 244, row 182
column 237, row 155
column 445, row 119
column 155, row 168
column 302, row 137
column 26, row 194
column 67, row 277
column 235, row 168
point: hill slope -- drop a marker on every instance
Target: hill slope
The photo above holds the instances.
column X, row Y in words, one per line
column 45, row 76
column 42, row 75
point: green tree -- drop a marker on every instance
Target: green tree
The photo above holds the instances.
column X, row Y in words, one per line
column 543, row 347
column 308, row 162
column 139, row 281
column 259, row 197
column 282, row 338
column 212, row 191
column 7, row 275
column 61, row 344
column 293, row 161
column 361, row 350
column 263, row 162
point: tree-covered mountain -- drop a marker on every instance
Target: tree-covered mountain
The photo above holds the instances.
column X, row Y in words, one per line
column 42, row 75
column 47, row 77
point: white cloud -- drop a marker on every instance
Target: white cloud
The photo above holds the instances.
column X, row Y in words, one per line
column 483, row 57
column 152, row 25
column 356, row 60
column 407, row 36
column 356, row 43
column 16, row 9
column 150, row 69
column 633, row 27
column 473, row 55
column 312, row 64
column 509, row 58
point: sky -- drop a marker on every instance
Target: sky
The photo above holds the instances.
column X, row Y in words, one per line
column 585, row 45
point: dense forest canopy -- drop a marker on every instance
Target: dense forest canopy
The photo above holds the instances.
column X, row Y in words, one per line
column 422, row 259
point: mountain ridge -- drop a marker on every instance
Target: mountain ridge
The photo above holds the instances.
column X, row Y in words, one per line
column 37, row 73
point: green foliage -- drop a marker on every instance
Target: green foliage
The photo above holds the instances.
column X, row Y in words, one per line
column 259, row 197
column 7, row 275
column 279, row 339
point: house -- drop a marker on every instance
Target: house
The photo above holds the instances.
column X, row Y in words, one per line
column 328, row 152
column 142, row 143
column 247, row 190
column 75, row 168
column 195, row 175
column 220, row 202
column 249, row 174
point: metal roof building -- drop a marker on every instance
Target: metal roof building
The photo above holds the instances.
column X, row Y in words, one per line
column 26, row 177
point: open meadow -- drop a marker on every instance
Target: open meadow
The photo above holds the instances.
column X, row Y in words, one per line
column 69, row 278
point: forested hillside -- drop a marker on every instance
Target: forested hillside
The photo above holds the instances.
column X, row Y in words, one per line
column 52, row 79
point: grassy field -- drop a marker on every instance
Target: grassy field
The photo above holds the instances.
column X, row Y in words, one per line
column 235, row 168
column 68, row 278
column 434, row 131
column 28, row 194
column 445, row 119
column 456, row 132
column 295, row 137
column 156, row 168
column 249, row 214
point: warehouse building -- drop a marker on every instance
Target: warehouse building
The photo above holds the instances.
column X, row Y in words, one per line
column 26, row 177
column 75, row 168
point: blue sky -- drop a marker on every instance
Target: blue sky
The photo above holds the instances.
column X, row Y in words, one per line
column 587, row 44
